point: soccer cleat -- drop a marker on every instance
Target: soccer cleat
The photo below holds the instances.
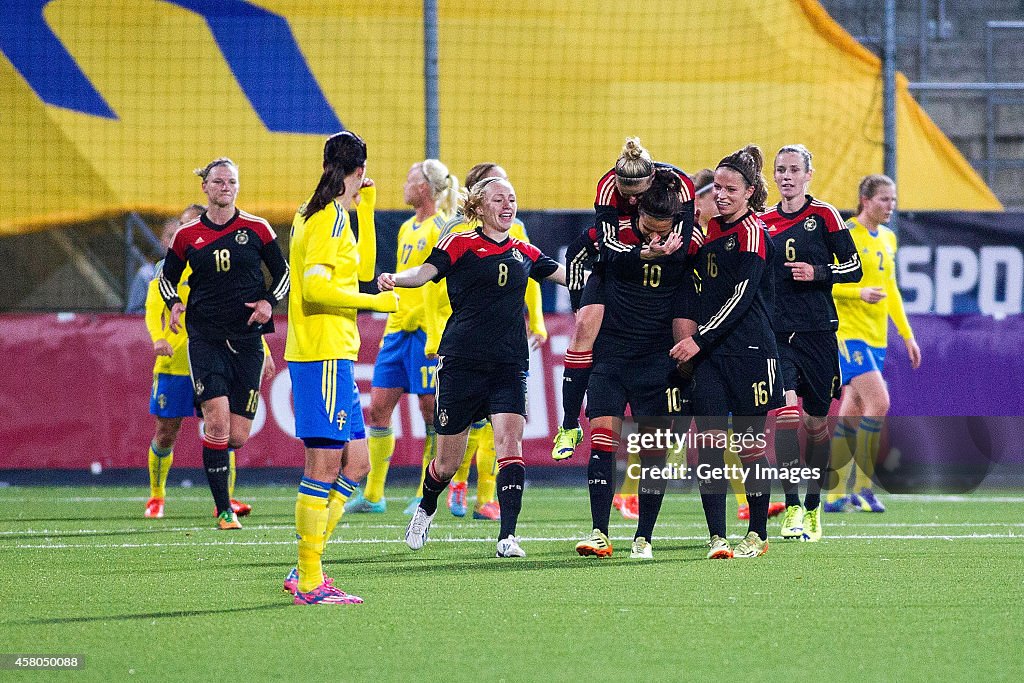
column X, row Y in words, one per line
column 419, row 528
column 775, row 509
column 812, row 525
column 291, row 582
column 240, row 508
column 843, row 504
column 326, row 594
column 489, row 511
column 641, row 550
column 752, row 545
column 743, row 512
column 566, row 441
column 597, row 545
column 628, row 505
column 718, row 549
column 457, row 498
column 228, row 520
column 868, row 501
column 414, row 503
column 154, row 508
column 793, row 522
column 509, row 547
column 359, row 504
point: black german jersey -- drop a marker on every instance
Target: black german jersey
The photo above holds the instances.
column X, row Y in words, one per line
column 816, row 234
column 226, row 274
column 486, row 286
column 616, row 212
column 641, row 299
column 736, row 290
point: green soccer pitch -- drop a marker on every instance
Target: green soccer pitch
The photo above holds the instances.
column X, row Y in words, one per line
column 930, row 590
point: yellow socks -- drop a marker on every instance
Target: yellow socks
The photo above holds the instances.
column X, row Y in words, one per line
column 232, row 473
column 630, row 485
column 486, row 465
column 842, row 460
column 429, row 451
column 381, row 441
column 311, row 529
column 462, row 474
column 869, row 434
column 160, row 460
column 738, row 488
column 341, row 491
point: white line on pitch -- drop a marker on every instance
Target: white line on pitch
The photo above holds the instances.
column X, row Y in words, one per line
column 859, row 537
column 476, row 525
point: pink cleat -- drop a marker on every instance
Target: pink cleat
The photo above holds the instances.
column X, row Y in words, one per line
column 326, row 594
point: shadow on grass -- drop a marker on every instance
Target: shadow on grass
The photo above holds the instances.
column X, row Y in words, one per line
column 149, row 615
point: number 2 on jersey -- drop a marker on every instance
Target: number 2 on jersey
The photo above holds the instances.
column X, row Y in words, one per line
column 222, row 260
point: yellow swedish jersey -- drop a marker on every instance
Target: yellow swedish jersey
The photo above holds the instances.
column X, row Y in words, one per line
column 415, row 242
column 318, row 328
column 157, row 318
column 438, row 308
column 857, row 318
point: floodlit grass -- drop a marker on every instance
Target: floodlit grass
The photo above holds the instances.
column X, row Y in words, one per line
column 930, row 590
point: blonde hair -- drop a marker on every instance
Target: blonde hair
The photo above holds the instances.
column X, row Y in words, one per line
column 804, row 153
column 473, row 199
column 444, row 187
column 869, row 186
column 219, row 161
column 634, row 165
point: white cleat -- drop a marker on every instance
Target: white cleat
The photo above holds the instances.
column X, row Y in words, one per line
column 509, row 547
column 419, row 528
column 641, row 550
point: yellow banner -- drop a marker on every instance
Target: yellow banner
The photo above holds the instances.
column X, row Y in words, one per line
column 109, row 104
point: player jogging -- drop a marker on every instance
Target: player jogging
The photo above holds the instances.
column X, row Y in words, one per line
column 229, row 310
column 483, row 354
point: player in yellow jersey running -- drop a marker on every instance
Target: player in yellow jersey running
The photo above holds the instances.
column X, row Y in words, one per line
column 481, row 434
column 402, row 367
column 864, row 311
column 322, row 347
column 173, row 398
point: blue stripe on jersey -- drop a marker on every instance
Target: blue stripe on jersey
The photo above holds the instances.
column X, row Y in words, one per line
column 338, row 223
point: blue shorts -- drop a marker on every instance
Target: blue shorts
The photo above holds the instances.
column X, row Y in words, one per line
column 857, row 358
column 327, row 409
column 172, row 396
column 401, row 363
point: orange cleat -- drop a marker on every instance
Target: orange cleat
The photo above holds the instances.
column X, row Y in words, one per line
column 228, row 520
column 628, row 505
column 743, row 512
column 240, row 508
column 776, row 509
column 155, row 508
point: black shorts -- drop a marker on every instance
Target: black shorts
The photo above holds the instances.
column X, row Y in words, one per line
column 592, row 292
column 649, row 384
column 810, row 367
column 231, row 368
column 470, row 390
column 737, row 385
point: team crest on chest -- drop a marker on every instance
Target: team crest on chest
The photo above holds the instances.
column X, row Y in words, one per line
column 810, row 224
column 731, row 243
column 517, row 255
column 422, row 244
column 242, row 237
